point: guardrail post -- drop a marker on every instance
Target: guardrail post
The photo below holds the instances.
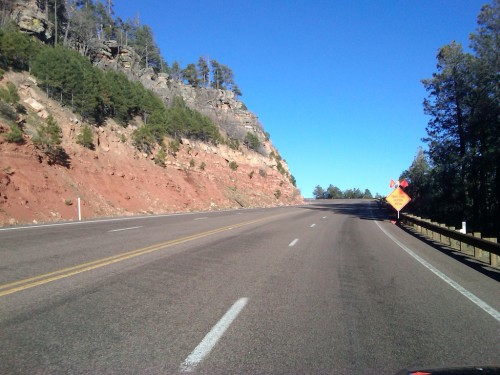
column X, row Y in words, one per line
column 426, row 232
column 418, row 226
column 494, row 259
column 445, row 239
column 466, row 248
column 455, row 244
column 478, row 253
column 435, row 236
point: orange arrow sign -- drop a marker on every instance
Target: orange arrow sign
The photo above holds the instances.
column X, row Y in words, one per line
column 398, row 199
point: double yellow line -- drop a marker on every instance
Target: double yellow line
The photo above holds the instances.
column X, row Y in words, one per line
column 31, row 282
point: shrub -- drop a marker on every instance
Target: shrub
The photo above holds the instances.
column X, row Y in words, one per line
column 17, row 48
column 233, row 165
column 174, row 146
column 85, row 137
column 143, row 139
column 15, row 135
column 251, row 174
column 280, row 168
column 160, row 158
column 7, row 112
column 234, row 144
column 192, row 163
column 49, row 139
column 9, row 94
column 49, row 135
column 262, row 173
column 202, row 166
column 252, row 141
column 277, row 193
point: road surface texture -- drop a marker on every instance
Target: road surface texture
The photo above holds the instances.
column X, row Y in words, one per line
column 325, row 288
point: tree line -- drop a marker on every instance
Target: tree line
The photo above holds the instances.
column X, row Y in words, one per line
column 458, row 177
column 82, row 24
column 333, row 192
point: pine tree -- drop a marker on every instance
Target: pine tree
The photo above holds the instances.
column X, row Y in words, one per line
column 49, row 139
column 203, row 71
column 190, row 75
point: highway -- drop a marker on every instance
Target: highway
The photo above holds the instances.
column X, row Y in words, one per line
column 325, row 288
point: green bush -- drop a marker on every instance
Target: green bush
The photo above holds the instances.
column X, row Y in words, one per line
column 15, row 135
column 233, row 165
column 85, row 137
column 182, row 120
column 277, row 193
column 143, row 140
column 49, row 135
column 7, row 112
column 280, row 168
column 174, row 146
column 192, row 163
column 161, row 157
column 49, row 139
column 234, row 144
column 252, row 141
column 9, row 94
column 203, row 166
column 18, row 49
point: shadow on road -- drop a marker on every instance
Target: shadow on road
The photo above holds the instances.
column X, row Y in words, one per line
column 363, row 209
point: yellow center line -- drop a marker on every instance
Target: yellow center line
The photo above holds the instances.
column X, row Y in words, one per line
column 31, row 282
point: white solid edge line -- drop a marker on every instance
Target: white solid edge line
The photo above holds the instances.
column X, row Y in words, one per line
column 119, row 230
column 104, row 220
column 212, row 337
column 477, row 301
column 293, row 242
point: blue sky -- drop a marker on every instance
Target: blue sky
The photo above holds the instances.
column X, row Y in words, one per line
column 336, row 83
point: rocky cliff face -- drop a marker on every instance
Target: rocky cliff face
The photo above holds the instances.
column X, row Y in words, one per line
column 220, row 105
column 28, row 16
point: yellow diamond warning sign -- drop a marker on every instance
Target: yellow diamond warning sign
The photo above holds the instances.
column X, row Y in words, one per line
column 398, row 199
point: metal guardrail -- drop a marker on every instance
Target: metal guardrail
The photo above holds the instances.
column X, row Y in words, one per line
column 484, row 249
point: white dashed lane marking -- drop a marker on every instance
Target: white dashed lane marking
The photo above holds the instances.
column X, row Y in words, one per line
column 212, row 337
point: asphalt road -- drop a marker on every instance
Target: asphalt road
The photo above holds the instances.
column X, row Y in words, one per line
column 327, row 288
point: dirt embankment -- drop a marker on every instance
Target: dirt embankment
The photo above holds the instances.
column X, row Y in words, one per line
column 115, row 179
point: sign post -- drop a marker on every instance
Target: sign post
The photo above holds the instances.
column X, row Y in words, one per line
column 398, row 199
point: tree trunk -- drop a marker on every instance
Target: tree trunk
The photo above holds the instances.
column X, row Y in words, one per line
column 68, row 26
column 55, row 22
